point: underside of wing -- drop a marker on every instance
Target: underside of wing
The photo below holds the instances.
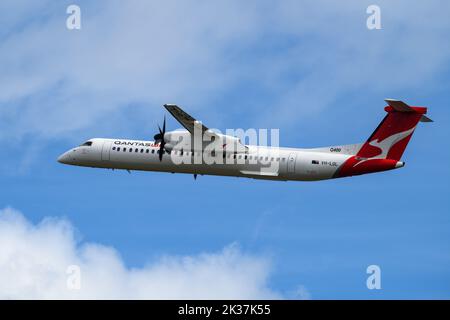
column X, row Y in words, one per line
column 185, row 119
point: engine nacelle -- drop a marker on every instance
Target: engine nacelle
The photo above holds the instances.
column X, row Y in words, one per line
column 182, row 140
column 177, row 140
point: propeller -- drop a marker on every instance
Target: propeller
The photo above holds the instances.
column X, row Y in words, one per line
column 159, row 137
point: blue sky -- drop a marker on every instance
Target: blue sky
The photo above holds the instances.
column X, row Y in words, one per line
column 310, row 68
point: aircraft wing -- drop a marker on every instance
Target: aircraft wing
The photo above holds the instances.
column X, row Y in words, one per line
column 190, row 123
column 182, row 117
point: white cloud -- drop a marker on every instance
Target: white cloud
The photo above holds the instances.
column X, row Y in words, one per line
column 127, row 52
column 34, row 260
column 301, row 56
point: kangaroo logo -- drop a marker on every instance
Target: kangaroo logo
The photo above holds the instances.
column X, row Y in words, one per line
column 386, row 144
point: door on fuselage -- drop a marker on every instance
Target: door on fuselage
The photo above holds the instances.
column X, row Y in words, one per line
column 106, row 150
column 291, row 163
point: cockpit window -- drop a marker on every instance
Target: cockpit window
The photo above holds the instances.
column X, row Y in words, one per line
column 86, row 144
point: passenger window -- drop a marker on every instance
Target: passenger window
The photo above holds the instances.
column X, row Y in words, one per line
column 114, row 148
column 131, row 149
column 142, row 150
column 146, row 151
column 118, row 149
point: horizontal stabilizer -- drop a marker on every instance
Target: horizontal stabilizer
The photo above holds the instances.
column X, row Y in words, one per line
column 425, row 119
column 400, row 106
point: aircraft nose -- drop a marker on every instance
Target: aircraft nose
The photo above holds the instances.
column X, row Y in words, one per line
column 64, row 158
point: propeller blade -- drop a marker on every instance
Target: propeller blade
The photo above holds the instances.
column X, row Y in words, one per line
column 164, row 125
column 159, row 137
column 161, row 150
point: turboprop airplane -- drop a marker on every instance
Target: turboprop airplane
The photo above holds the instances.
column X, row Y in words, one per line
column 201, row 151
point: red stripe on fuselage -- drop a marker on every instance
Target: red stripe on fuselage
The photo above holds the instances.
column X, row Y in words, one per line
column 356, row 166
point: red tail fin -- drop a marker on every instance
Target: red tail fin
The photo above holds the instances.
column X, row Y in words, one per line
column 390, row 138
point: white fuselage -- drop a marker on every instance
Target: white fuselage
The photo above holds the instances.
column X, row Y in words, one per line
column 258, row 162
column 199, row 150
